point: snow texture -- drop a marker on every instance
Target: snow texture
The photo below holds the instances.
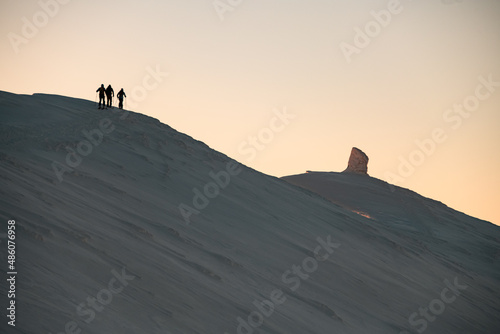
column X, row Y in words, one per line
column 107, row 249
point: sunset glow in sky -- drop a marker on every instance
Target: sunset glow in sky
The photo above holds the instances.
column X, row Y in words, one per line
column 286, row 86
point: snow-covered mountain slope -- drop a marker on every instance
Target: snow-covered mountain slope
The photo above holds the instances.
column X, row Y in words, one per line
column 124, row 225
column 435, row 225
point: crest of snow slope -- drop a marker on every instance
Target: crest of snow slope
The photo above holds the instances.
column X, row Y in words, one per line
column 120, row 209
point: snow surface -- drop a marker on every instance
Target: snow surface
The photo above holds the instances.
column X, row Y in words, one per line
column 118, row 213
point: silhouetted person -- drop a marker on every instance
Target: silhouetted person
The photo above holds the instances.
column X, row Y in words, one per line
column 109, row 94
column 120, row 96
column 101, row 91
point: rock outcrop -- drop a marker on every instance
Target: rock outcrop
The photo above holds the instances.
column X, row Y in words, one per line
column 358, row 162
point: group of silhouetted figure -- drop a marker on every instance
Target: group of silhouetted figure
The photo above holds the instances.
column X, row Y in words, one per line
column 109, row 93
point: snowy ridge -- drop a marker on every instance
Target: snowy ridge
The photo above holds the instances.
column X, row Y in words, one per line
column 107, row 249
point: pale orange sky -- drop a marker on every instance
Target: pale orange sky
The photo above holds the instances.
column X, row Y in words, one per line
column 230, row 71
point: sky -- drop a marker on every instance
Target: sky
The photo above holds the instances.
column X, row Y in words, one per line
column 286, row 86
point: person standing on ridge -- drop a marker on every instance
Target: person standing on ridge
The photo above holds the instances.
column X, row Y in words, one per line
column 101, row 91
column 109, row 94
column 120, row 96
